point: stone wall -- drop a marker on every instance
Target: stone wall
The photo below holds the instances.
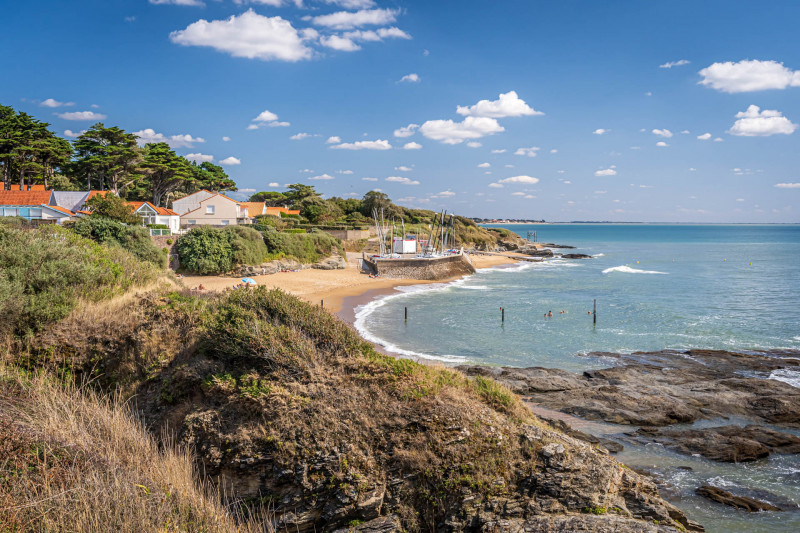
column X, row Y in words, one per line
column 349, row 234
column 422, row 268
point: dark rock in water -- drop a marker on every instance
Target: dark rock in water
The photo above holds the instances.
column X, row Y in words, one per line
column 740, row 502
column 575, row 256
column 536, row 252
column 551, row 245
column 664, row 388
column 729, row 444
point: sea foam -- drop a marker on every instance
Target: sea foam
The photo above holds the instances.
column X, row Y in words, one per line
column 629, row 270
column 792, row 377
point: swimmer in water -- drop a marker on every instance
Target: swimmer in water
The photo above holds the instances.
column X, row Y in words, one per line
column 550, row 313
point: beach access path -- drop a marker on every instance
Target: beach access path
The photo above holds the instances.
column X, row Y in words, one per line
column 332, row 286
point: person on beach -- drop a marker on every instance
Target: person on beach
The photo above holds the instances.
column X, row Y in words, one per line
column 550, row 314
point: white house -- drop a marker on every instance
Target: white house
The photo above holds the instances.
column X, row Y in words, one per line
column 157, row 215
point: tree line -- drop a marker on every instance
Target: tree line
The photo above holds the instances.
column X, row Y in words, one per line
column 101, row 158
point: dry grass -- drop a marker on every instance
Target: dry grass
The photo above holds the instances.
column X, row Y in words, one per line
column 75, row 461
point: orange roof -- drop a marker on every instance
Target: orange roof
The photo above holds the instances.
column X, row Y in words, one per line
column 92, row 194
column 254, row 209
column 38, row 187
column 159, row 210
column 61, row 209
column 292, row 212
column 24, row 197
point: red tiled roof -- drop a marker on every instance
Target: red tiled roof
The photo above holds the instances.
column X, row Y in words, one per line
column 36, row 198
column 254, row 209
column 38, row 187
column 92, row 194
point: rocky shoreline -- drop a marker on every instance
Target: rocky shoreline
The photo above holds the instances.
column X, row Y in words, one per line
column 651, row 391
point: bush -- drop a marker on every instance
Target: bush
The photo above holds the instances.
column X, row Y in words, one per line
column 134, row 239
column 305, row 247
column 208, row 250
column 45, row 272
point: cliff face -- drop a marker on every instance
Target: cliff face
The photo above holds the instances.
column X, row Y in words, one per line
column 291, row 411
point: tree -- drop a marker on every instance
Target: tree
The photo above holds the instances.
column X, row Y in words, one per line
column 108, row 158
column 377, row 200
column 271, row 198
column 212, row 177
column 165, row 171
column 297, row 192
column 111, row 206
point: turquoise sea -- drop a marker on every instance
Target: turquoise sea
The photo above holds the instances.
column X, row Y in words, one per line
column 732, row 287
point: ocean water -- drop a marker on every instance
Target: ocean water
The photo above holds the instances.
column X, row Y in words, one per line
column 734, row 287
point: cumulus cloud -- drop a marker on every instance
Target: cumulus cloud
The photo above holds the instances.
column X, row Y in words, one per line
column 300, row 136
column 226, row 138
column 343, row 44
column 443, row 194
column 663, row 133
column 704, row 137
column 322, row 177
column 73, row 135
column 530, row 152
column 553, row 151
column 248, row 35
column 412, row 146
column 450, row 132
column 600, row 131
column 527, row 180
column 679, row 63
column 334, row 139
column 179, row 2
column 379, row 144
column 347, row 172
column 507, row 105
column 351, row 4
column 756, row 123
column 749, row 75
column 496, row 185
column 606, row 172
column 404, row 181
column 412, row 78
column 201, row 158
column 345, row 20
column 403, row 168
column 50, row 102
column 499, row 151
column 267, row 118
column 369, row 179
column 82, row 115
column 484, row 165
column 474, row 144
column 788, row 185
column 661, row 144
column 230, row 161
column 406, row 131
column 149, row 135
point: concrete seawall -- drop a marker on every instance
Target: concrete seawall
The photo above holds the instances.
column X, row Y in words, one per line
column 429, row 269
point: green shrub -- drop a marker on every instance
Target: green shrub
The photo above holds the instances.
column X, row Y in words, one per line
column 134, row 239
column 208, row 250
column 45, row 272
column 248, row 245
column 305, row 247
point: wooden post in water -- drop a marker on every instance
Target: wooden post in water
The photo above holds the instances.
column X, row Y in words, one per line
column 594, row 312
column 406, row 312
column 503, row 315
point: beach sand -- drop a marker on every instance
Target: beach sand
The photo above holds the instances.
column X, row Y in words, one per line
column 340, row 290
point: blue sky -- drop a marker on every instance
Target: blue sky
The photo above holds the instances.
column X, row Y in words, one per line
column 339, row 93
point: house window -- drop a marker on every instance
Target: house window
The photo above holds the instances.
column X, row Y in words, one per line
column 192, row 222
column 225, row 222
column 209, row 210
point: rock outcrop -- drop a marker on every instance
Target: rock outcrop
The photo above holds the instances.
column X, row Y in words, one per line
column 740, row 502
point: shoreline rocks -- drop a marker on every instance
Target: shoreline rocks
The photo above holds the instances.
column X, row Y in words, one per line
column 718, row 495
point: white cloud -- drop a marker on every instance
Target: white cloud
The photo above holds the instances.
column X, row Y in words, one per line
column 517, row 194
column 567, row 182
column 274, row 184
column 82, row 115
column 512, row 166
column 300, row 136
column 412, row 78
column 742, row 199
column 342, row 44
column 788, row 185
column 230, row 161
column 379, row 144
column 484, row 165
column 149, row 135
column 55, row 103
column 553, row 151
column 226, row 138
column 678, row 63
column 499, row 151
column 351, row 4
column 704, row 137
column 346, row 172
column 179, row 2
column 450, row 132
column 530, row 152
column 322, row 177
column 201, row 158
column 685, row 132
column 749, row 75
column 369, row 179
column 278, row 124
column 692, row 169
column 247, row 35
column 600, row 131
column 412, row 146
column 252, row 127
column 507, row 105
column 528, row 180
column 606, row 172
column 496, row 185
column 404, row 181
column 334, row 139
column 306, row 171
column 757, row 123
column 661, row 144
column 345, row 20
column 407, row 131
column 403, row 168
column 474, row 144
column 266, row 116
column 73, row 135
column 444, row 194
column 663, row 133
column 377, row 36
column 718, row 140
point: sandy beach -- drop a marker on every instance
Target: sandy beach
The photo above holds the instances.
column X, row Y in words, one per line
column 340, row 290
